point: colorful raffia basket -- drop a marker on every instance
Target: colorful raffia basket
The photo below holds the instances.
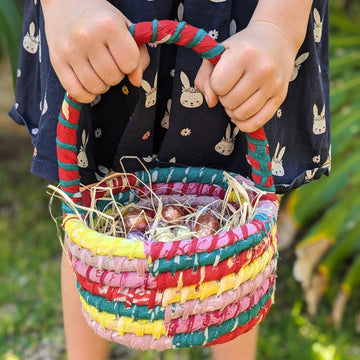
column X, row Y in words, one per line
column 196, row 291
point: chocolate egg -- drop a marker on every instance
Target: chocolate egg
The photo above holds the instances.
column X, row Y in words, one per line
column 206, row 224
column 137, row 220
column 172, row 213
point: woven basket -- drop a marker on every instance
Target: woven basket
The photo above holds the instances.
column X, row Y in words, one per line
column 161, row 295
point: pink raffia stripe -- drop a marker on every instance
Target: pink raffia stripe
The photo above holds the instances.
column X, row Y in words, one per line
column 101, row 262
column 191, row 188
column 187, row 277
column 211, row 202
column 169, row 250
column 210, row 318
column 122, row 280
column 153, row 297
column 218, row 303
column 144, row 342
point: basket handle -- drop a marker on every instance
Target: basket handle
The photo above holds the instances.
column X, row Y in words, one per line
column 168, row 32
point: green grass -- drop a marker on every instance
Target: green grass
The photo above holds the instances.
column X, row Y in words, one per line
column 30, row 309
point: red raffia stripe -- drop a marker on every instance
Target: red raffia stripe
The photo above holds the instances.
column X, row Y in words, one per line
column 245, row 328
column 225, row 267
column 143, row 34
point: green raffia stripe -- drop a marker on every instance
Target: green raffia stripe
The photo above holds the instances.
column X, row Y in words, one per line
column 154, row 31
column 215, row 51
column 65, row 146
column 201, row 337
column 197, row 39
column 262, row 172
column 66, row 123
column 66, row 183
column 132, row 29
column 74, row 195
column 72, row 103
column 68, row 210
column 195, row 338
column 68, row 167
column 193, row 261
column 177, row 33
column 118, row 308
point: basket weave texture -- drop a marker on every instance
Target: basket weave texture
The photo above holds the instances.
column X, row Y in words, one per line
column 150, row 294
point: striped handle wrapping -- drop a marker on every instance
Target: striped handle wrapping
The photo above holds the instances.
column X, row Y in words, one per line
column 168, row 32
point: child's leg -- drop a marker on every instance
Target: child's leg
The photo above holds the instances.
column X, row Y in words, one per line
column 241, row 348
column 81, row 341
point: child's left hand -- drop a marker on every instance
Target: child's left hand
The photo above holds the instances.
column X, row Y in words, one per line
column 252, row 77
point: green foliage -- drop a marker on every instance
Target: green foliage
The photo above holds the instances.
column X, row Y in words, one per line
column 330, row 208
column 10, row 31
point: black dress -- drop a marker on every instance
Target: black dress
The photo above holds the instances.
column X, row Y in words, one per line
column 167, row 121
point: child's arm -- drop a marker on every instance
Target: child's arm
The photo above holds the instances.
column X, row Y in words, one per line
column 90, row 46
column 252, row 77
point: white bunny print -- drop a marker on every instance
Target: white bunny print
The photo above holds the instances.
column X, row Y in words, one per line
column 327, row 163
column 317, row 26
column 233, row 27
column 276, row 161
column 319, row 125
column 165, row 119
column 309, row 174
column 30, row 42
column 150, row 92
column 180, row 12
column 82, row 158
column 297, row 65
column 226, row 145
column 190, row 96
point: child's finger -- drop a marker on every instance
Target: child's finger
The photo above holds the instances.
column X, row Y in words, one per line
column 124, row 49
column 245, row 88
column 136, row 76
column 73, row 86
column 105, row 66
column 88, row 78
column 250, row 107
column 259, row 119
column 202, row 83
column 227, row 72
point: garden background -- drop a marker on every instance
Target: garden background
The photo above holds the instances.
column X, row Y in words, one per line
column 316, row 317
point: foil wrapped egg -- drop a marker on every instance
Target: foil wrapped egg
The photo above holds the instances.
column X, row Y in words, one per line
column 137, row 220
column 172, row 213
column 206, row 224
column 163, row 233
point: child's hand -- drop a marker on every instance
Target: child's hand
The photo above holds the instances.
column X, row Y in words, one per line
column 251, row 79
column 90, row 46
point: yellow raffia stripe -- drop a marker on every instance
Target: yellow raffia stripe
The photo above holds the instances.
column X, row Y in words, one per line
column 100, row 244
column 228, row 282
column 124, row 324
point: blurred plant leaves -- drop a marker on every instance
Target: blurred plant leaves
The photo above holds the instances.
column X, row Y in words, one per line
column 10, row 31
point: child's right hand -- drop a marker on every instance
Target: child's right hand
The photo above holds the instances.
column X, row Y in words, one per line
column 90, row 46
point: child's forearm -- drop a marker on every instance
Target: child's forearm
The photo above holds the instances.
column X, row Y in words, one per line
column 291, row 16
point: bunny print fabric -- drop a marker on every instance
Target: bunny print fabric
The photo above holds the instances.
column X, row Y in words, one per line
column 166, row 121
